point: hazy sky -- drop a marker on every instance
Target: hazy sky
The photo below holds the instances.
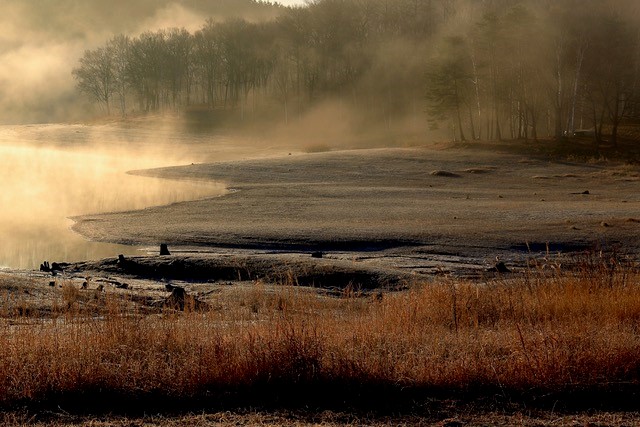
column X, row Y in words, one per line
column 291, row 2
column 41, row 42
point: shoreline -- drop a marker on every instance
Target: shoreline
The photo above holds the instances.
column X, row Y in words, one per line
column 391, row 203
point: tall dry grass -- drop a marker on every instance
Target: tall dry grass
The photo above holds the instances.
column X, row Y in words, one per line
column 543, row 330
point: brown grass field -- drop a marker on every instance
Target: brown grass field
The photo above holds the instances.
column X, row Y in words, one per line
column 554, row 338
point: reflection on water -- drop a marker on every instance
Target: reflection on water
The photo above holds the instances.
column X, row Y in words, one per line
column 42, row 187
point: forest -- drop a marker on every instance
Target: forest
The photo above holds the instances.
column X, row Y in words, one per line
column 475, row 69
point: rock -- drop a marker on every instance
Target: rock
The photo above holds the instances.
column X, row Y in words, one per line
column 317, row 254
column 499, row 267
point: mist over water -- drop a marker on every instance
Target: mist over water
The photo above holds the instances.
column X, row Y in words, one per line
column 47, row 178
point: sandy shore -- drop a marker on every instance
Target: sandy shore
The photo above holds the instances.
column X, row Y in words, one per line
column 419, row 209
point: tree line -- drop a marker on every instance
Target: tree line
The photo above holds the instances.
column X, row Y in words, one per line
column 493, row 69
column 540, row 68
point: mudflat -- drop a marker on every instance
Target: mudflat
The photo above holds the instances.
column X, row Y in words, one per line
column 419, row 209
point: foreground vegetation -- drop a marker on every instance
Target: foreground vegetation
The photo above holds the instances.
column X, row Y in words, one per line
column 531, row 337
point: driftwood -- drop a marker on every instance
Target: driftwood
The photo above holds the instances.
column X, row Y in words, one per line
column 119, row 285
column 58, row 266
column 53, row 267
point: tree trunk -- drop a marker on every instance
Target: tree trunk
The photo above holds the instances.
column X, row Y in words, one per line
column 574, row 96
column 559, row 89
column 534, row 125
column 477, row 93
column 615, row 120
column 471, row 125
column 462, row 138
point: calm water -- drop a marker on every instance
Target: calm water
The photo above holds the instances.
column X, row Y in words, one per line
column 51, row 173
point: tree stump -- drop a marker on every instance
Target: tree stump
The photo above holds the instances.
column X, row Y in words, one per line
column 177, row 299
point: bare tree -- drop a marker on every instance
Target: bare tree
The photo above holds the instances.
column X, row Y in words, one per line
column 118, row 50
column 95, row 76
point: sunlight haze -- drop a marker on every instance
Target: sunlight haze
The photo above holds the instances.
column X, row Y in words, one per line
column 319, row 212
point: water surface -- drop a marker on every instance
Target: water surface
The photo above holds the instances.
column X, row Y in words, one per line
column 51, row 173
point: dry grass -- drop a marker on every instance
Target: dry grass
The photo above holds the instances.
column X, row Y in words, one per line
column 544, row 331
column 327, row 419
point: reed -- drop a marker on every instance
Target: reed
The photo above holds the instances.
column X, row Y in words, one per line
column 540, row 331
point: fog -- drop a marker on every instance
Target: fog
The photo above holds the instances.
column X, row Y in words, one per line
column 191, row 81
column 41, row 42
column 44, row 185
column 54, row 172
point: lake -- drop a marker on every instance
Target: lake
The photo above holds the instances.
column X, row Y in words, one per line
column 50, row 173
